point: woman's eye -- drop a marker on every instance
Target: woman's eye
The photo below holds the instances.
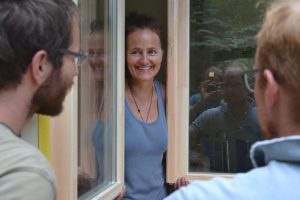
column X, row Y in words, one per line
column 152, row 52
column 135, row 53
column 91, row 53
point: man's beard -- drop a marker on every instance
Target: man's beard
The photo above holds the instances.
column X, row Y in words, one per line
column 49, row 97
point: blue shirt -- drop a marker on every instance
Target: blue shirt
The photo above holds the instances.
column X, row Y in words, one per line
column 218, row 126
column 98, row 141
column 276, row 176
column 145, row 145
column 195, row 98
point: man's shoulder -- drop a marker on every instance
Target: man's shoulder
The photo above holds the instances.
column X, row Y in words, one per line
column 17, row 152
column 213, row 113
column 19, row 159
column 211, row 118
column 254, row 184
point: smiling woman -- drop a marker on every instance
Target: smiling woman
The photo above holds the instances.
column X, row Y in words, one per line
column 145, row 117
column 144, row 110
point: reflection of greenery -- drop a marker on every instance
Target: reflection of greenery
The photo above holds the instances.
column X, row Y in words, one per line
column 222, row 26
column 231, row 38
column 222, row 30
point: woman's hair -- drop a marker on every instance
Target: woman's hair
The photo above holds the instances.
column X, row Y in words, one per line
column 136, row 21
column 96, row 26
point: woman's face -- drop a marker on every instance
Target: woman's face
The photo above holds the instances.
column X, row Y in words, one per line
column 96, row 54
column 144, row 54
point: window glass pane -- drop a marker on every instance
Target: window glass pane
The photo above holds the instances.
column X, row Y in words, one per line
column 96, row 143
column 223, row 123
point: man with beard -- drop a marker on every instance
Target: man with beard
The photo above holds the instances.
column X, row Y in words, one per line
column 39, row 48
column 277, row 92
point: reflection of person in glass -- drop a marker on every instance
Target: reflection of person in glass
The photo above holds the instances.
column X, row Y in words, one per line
column 96, row 55
column 96, row 58
column 227, row 131
column 96, row 61
column 210, row 93
column 145, row 118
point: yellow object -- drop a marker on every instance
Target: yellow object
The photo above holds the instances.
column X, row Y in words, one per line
column 44, row 135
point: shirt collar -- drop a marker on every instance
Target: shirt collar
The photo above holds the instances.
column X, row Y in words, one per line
column 285, row 149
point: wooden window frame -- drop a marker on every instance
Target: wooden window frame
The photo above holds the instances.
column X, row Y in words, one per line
column 178, row 94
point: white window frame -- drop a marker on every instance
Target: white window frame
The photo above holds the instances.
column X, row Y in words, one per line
column 64, row 131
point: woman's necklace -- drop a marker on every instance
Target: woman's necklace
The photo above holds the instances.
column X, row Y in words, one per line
column 138, row 109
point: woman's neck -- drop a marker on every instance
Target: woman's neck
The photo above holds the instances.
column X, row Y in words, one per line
column 141, row 90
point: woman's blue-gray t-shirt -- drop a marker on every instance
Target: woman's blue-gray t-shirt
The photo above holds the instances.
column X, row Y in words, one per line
column 145, row 145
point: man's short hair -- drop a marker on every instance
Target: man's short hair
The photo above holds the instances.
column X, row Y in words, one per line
column 235, row 65
column 278, row 43
column 27, row 26
column 278, row 47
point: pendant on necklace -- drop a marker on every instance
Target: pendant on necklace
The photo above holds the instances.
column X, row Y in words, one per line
column 138, row 109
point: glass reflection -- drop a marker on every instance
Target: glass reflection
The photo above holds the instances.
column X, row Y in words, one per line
column 223, row 120
column 209, row 94
column 223, row 135
column 95, row 111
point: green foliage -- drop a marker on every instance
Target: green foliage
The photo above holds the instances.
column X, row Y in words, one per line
column 221, row 26
column 222, row 31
